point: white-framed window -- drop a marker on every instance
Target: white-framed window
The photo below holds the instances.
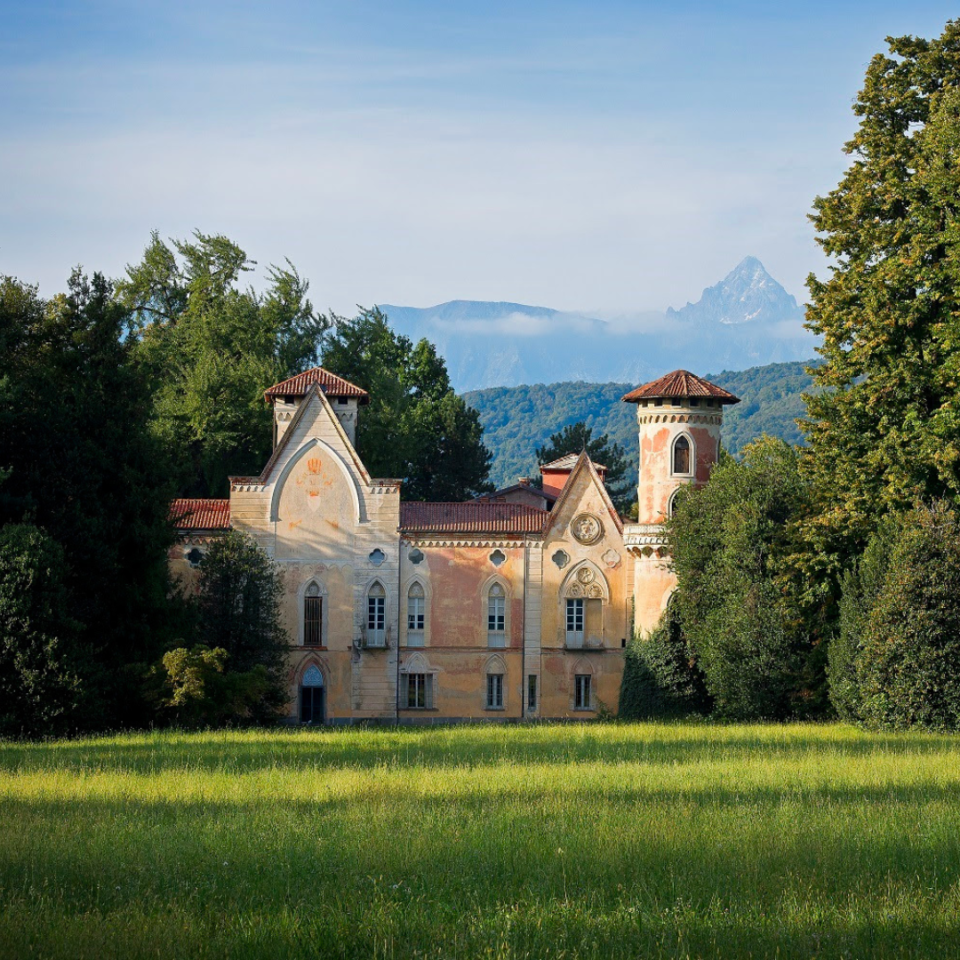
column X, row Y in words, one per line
column 575, row 622
column 496, row 616
column 682, row 460
column 494, row 691
column 416, row 615
column 417, row 692
column 312, row 616
column 582, row 691
column 376, row 616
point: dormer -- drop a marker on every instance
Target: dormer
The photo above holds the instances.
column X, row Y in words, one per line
column 556, row 473
column 345, row 398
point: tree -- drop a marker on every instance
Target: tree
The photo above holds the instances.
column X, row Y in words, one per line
column 38, row 678
column 211, row 349
column 415, row 427
column 661, row 677
column 576, row 437
column 84, row 467
column 239, row 592
column 909, row 660
column 885, row 428
column 737, row 600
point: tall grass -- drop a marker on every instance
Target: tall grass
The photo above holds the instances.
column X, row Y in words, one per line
column 550, row 841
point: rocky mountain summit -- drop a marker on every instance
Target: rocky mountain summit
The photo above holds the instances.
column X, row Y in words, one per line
column 747, row 294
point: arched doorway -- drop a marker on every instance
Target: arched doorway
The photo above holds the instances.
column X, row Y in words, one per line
column 312, row 699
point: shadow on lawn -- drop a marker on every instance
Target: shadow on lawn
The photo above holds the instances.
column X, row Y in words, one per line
column 465, row 747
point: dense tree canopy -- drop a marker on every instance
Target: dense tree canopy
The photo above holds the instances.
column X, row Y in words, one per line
column 731, row 542
column 886, row 428
column 212, row 348
column 85, row 468
column 415, row 428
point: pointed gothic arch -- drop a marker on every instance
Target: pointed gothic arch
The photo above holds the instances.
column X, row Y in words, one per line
column 683, row 455
column 315, row 443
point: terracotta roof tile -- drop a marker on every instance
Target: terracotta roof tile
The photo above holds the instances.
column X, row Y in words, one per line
column 329, row 383
column 680, row 383
column 200, row 514
column 475, row 516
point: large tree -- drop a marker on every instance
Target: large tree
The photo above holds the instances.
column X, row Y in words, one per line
column 577, row 437
column 737, row 599
column 211, row 348
column 84, row 467
column 416, row 428
column 885, row 429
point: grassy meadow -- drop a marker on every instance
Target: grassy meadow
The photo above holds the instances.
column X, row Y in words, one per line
column 570, row 841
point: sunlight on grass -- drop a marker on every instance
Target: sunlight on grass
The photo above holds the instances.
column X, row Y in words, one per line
column 495, row 841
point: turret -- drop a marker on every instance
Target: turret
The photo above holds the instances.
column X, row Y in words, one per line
column 679, row 418
column 344, row 397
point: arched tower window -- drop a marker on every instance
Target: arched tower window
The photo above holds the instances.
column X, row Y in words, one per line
column 682, row 458
column 496, row 616
column 376, row 615
column 416, row 615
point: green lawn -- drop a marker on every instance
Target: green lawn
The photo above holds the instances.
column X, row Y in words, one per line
column 486, row 841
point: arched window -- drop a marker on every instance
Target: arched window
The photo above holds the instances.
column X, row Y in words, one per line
column 376, row 616
column 496, row 616
column 672, row 502
column 312, row 616
column 682, row 455
column 495, row 690
column 416, row 615
column 312, row 696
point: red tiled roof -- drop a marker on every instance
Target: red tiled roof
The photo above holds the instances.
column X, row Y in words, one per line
column 680, row 383
column 475, row 516
column 200, row 514
column 329, row 383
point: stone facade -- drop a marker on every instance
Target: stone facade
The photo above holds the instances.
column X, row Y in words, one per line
column 516, row 605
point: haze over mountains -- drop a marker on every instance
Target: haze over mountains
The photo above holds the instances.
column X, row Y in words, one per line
column 747, row 319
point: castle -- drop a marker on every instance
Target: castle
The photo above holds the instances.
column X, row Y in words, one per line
column 518, row 604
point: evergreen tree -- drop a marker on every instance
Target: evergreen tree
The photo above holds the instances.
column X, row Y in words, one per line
column 211, row 349
column 885, row 428
column 415, row 427
column 239, row 593
column 577, row 437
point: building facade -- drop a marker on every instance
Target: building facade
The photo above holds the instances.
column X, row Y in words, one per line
column 516, row 605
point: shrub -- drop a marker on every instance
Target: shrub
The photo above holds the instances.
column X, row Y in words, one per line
column 661, row 678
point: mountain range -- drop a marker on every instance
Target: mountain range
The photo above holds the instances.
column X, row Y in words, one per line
column 747, row 319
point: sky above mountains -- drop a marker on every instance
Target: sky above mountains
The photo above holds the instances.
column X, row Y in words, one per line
column 602, row 157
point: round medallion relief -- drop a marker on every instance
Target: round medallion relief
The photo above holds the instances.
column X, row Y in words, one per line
column 587, row 528
column 585, row 575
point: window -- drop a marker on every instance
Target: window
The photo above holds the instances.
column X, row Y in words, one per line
column 496, row 616
column 498, row 558
column 494, row 691
column 416, row 605
column 681, row 455
column 377, row 557
column 575, row 623
column 376, row 616
column 311, row 696
column 419, row 691
column 532, row 692
column 581, row 691
column 312, row 617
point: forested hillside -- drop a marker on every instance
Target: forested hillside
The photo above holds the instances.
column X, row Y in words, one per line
column 516, row 420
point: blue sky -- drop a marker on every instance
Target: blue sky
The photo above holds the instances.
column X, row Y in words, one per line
column 609, row 157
